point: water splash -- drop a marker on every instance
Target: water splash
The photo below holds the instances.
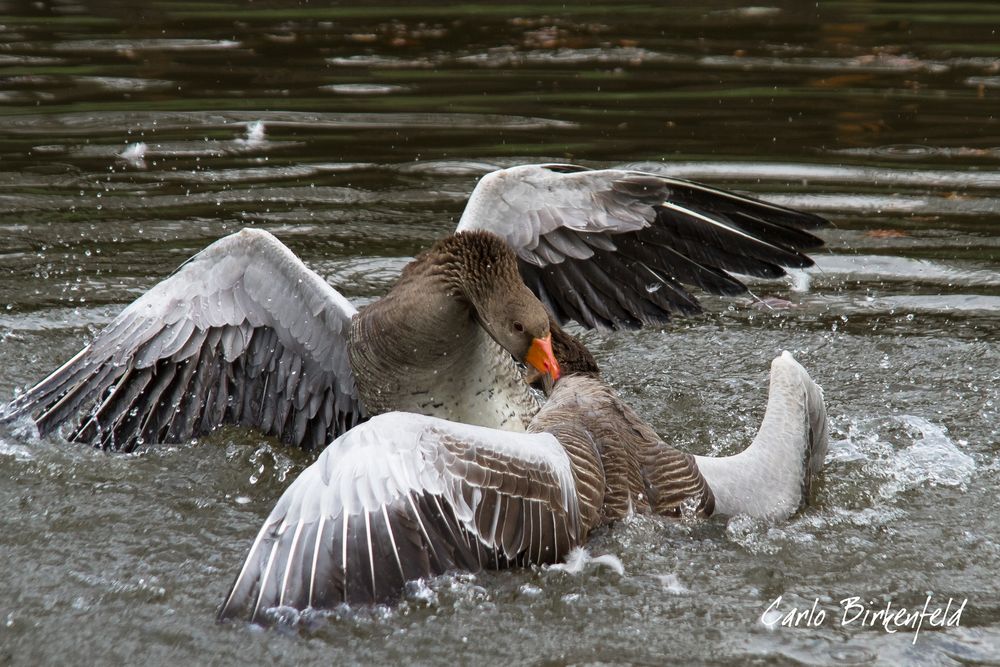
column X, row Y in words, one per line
column 906, row 452
column 801, row 279
column 135, row 154
column 417, row 590
column 19, row 452
column 932, row 459
column 255, row 132
column 671, row 583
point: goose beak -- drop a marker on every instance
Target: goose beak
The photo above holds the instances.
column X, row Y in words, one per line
column 540, row 358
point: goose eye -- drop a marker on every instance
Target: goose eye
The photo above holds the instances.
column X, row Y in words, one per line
column 518, row 327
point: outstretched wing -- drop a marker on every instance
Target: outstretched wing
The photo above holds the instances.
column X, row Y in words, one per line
column 614, row 248
column 243, row 333
column 405, row 496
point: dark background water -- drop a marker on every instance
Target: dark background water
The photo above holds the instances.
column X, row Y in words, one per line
column 354, row 132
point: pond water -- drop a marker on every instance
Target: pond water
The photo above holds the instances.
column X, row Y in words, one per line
column 133, row 134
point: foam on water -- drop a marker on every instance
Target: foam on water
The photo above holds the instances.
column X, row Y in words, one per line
column 14, row 433
column 888, row 456
column 904, row 453
column 671, row 583
column 759, row 536
column 19, row 452
column 932, row 459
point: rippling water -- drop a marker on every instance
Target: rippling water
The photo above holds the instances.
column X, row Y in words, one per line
column 133, row 134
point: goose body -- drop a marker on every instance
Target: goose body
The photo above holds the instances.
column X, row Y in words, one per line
column 641, row 473
column 244, row 333
column 422, row 349
column 405, row 496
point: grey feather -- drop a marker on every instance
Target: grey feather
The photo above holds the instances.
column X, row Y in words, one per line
column 662, row 230
column 241, row 333
column 404, row 492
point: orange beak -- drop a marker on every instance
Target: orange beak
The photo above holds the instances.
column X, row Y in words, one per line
column 540, row 357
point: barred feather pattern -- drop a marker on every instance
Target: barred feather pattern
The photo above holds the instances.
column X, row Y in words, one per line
column 405, row 496
column 639, row 472
column 243, row 333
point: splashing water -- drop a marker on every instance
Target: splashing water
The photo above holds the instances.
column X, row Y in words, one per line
column 933, row 458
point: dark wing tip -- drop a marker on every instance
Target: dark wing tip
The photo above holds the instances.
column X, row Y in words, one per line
column 633, row 275
column 607, row 294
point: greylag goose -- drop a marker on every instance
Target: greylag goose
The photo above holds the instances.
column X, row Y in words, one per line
column 244, row 333
column 405, row 496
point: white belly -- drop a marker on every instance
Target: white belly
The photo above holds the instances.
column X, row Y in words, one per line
column 488, row 390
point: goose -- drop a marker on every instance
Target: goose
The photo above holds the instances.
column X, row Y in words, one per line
column 405, row 496
column 244, row 333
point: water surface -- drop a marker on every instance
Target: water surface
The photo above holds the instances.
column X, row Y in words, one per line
column 134, row 134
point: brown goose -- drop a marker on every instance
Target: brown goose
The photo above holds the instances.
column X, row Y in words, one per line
column 405, row 496
column 244, row 333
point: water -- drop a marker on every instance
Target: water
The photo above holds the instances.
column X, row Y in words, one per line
column 133, row 134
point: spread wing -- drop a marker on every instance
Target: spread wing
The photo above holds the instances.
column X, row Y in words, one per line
column 405, row 496
column 243, row 333
column 615, row 248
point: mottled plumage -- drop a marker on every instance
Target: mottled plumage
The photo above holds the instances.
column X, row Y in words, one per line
column 441, row 341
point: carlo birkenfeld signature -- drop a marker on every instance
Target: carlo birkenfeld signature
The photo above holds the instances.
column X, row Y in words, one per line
column 855, row 611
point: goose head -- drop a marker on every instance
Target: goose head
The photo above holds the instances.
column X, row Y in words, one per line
column 482, row 269
column 519, row 323
column 572, row 356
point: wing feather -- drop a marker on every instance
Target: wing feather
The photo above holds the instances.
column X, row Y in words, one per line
column 242, row 333
column 566, row 223
column 409, row 496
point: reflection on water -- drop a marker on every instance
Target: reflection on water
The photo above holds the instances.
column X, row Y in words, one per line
column 133, row 134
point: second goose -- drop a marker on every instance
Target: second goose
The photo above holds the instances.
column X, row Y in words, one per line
column 405, row 496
